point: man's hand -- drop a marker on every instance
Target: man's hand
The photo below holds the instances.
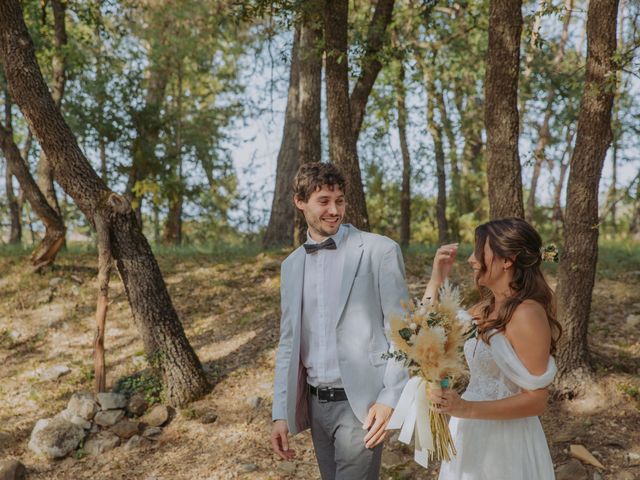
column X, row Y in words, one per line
column 376, row 422
column 279, row 440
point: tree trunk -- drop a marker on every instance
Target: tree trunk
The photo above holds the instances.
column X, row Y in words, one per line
column 435, row 129
column 558, row 215
column 371, row 65
column 43, row 171
column 310, row 61
column 173, row 226
column 405, row 194
column 501, row 109
column 147, row 124
column 15, row 210
column 634, row 226
column 46, row 252
column 456, row 188
column 578, row 265
column 472, row 179
column 342, row 142
column 153, row 312
column 544, row 132
column 279, row 231
column 15, row 235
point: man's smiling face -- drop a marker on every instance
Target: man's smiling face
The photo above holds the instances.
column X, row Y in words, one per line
column 324, row 211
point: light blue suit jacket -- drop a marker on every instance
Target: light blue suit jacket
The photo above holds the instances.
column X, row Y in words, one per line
column 373, row 286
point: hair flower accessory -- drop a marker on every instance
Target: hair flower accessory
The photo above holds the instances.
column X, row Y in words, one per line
column 549, row 253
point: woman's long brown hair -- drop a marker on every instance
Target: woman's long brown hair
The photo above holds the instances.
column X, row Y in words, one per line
column 515, row 239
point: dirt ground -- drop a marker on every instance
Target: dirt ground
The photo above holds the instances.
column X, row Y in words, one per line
column 229, row 307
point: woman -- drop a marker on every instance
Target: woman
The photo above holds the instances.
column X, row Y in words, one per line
column 495, row 427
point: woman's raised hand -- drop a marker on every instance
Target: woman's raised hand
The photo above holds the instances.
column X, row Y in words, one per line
column 442, row 263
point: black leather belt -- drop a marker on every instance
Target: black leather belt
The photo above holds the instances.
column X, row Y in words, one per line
column 328, row 394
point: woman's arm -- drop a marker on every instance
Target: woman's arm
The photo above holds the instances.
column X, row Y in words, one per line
column 530, row 335
column 525, row 404
column 442, row 263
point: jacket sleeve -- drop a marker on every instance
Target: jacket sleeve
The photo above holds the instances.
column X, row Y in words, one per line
column 283, row 356
column 393, row 290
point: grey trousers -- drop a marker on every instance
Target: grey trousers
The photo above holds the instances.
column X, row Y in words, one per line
column 338, row 440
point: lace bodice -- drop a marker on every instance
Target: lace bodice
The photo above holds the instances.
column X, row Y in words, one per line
column 487, row 381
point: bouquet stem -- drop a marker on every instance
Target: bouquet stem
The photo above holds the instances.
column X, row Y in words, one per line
column 444, row 449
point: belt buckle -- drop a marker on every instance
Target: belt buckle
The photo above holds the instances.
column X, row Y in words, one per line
column 326, row 394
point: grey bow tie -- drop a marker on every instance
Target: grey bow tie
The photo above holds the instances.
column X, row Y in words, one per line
column 329, row 244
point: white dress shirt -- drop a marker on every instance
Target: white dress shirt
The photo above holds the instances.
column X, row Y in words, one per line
column 320, row 296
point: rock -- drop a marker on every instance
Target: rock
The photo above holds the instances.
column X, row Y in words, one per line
column 12, row 470
column 108, row 418
column 54, row 372
column 75, row 290
column 69, row 416
column 632, row 458
column 137, row 442
column 152, row 432
column 632, row 320
column 111, row 401
column 255, row 402
column 54, row 282
column 6, row 440
column 157, row 416
column 55, row 437
column 572, row 470
column 126, row 428
column 582, row 454
column 597, row 475
column 248, row 467
column 286, row 468
column 100, row 443
column 137, row 405
column 83, row 405
column 76, row 279
column 208, row 417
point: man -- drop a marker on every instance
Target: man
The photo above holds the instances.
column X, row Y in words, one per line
column 337, row 294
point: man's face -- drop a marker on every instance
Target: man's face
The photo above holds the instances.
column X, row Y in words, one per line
column 324, row 211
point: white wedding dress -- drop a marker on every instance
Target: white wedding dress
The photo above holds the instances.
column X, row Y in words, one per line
column 499, row 449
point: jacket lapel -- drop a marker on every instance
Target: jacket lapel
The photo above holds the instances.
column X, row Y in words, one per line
column 297, row 282
column 352, row 258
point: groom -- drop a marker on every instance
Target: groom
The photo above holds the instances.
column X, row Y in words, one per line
column 337, row 293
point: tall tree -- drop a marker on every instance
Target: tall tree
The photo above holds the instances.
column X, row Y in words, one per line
column 501, row 109
column 405, row 193
column 342, row 142
column 301, row 136
column 280, row 227
column 578, row 264
column 46, row 251
column 59, row 64
column 153, row 312
column 371, row 63
column 15, row 210
column 310, row 60
column 435, row 129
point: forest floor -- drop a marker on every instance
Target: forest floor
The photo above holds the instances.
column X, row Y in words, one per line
column 229, row 305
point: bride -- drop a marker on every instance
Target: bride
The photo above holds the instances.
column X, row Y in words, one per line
column 494, row 424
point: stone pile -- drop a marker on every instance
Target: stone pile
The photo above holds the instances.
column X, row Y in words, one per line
column 93, row 425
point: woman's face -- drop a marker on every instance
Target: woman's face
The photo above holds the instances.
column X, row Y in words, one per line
column 491, row 274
